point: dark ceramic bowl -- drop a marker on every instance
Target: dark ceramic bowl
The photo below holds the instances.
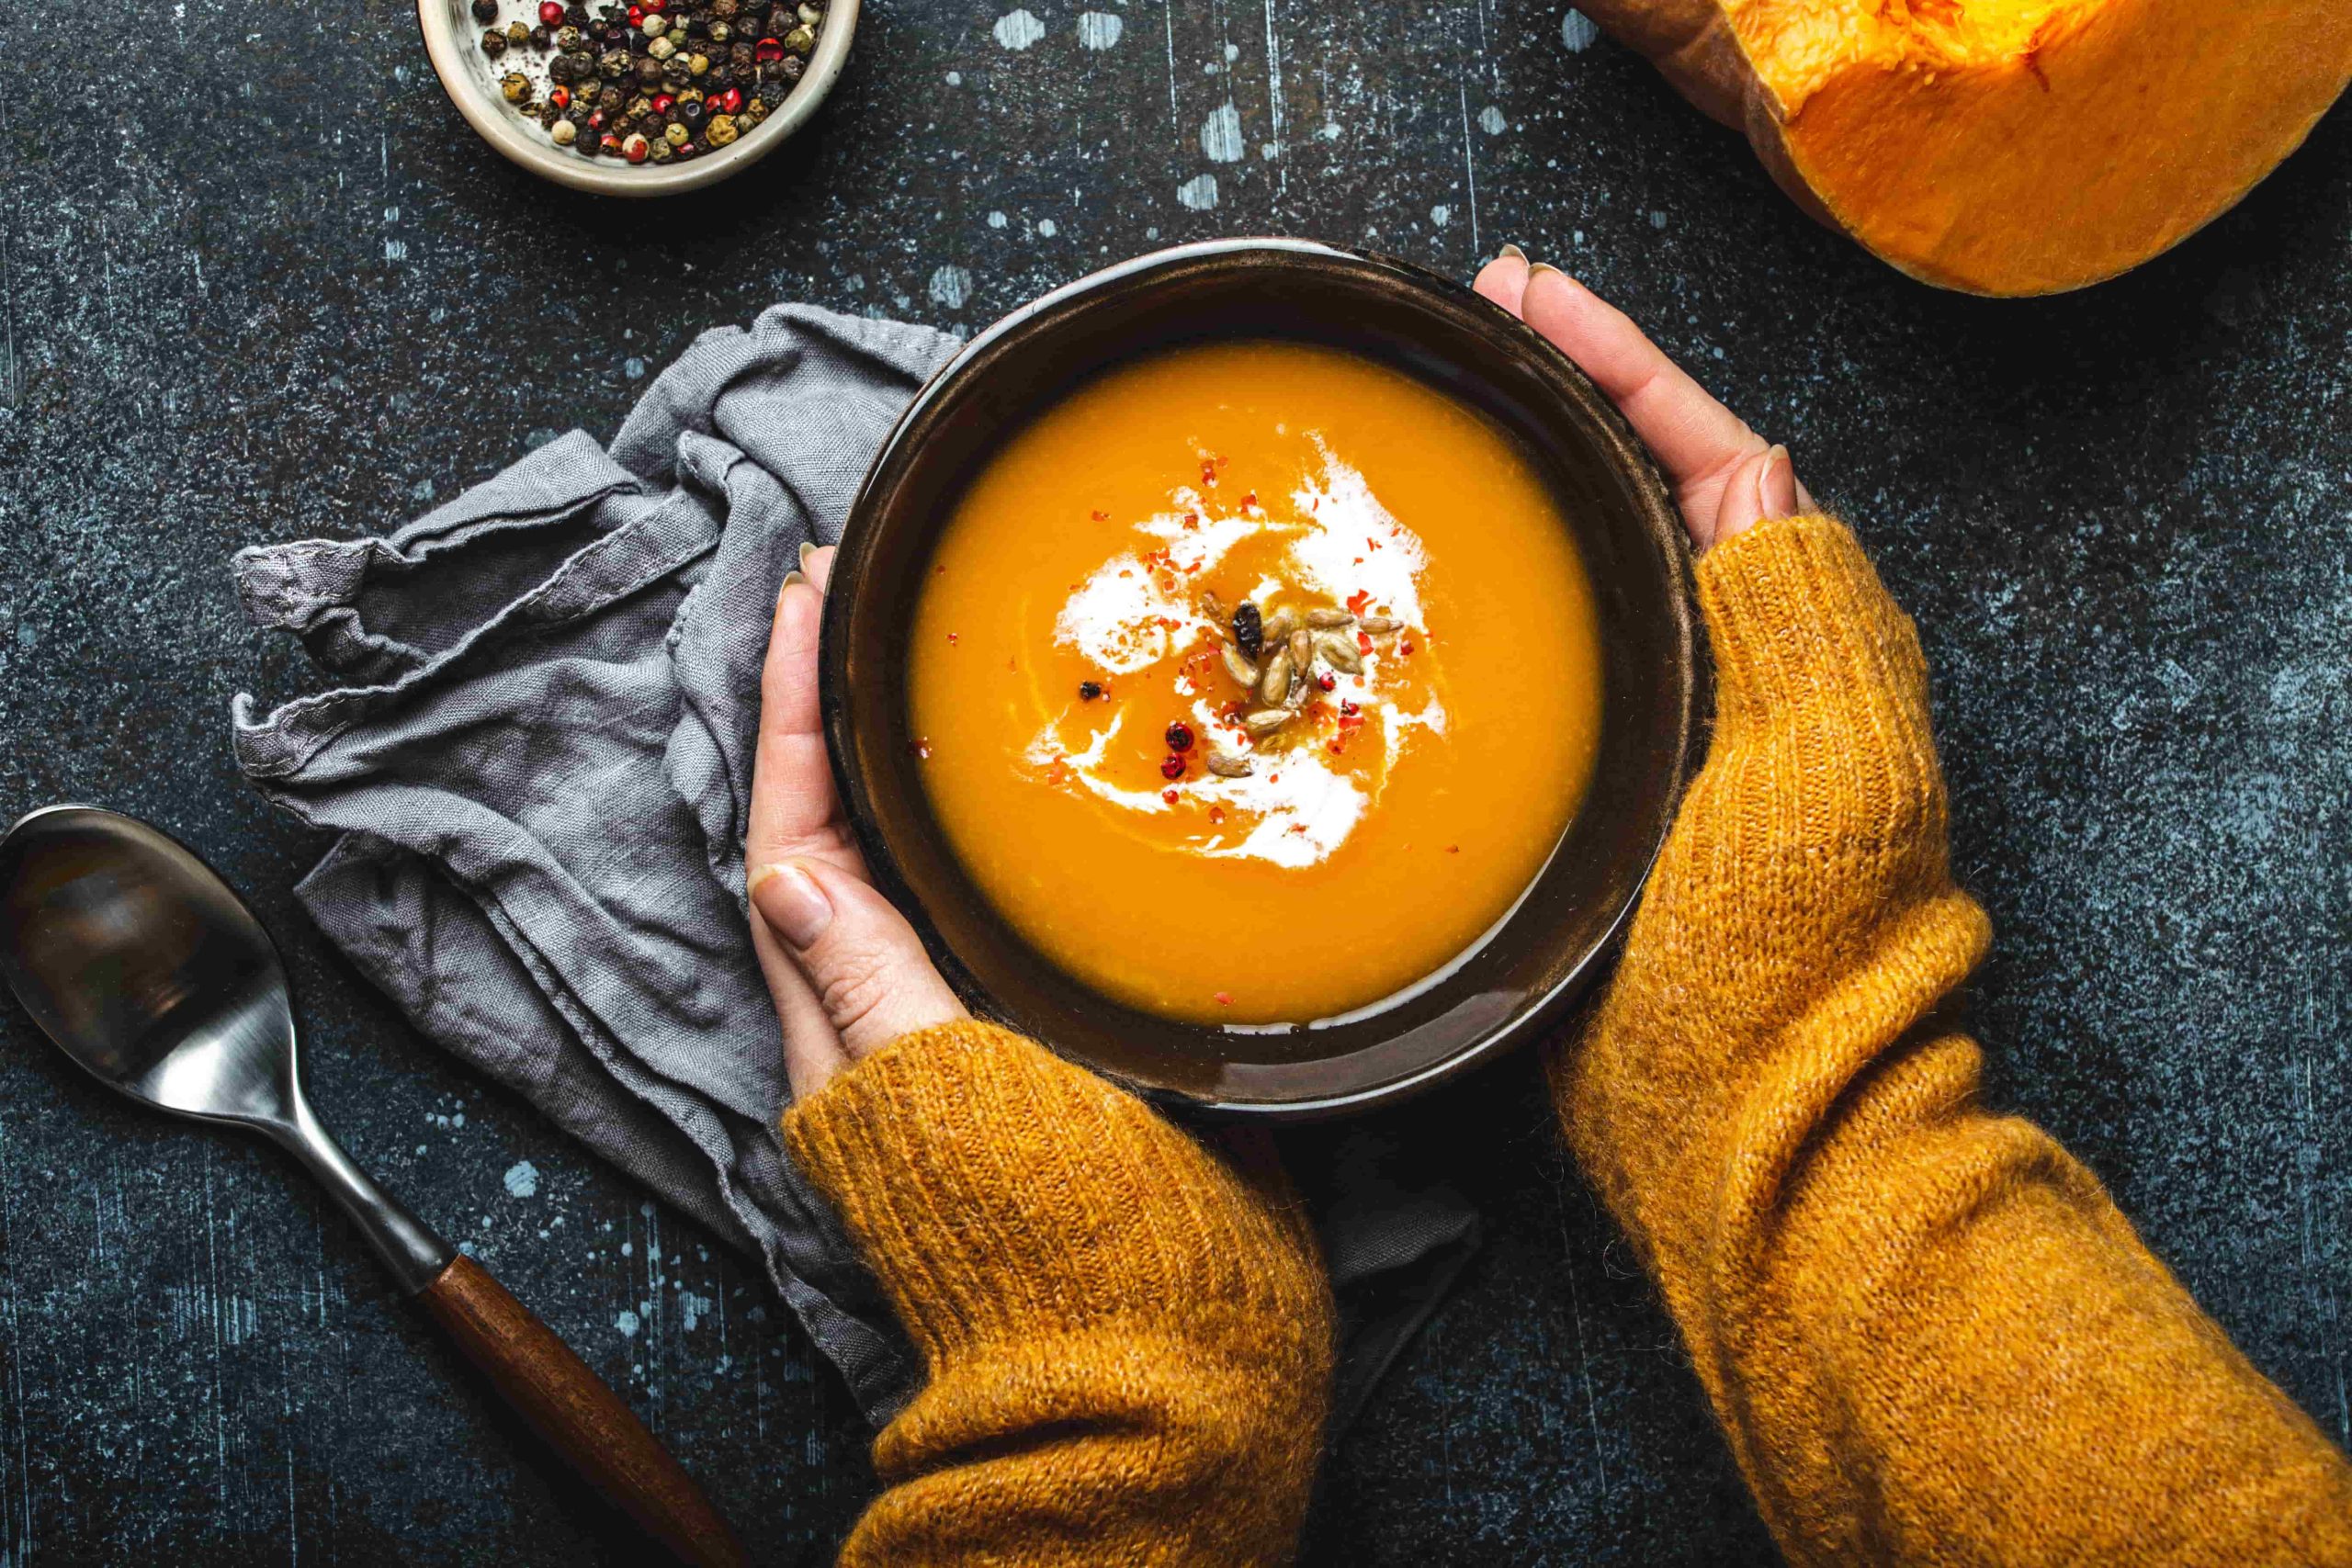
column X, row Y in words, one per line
column 1540, row 957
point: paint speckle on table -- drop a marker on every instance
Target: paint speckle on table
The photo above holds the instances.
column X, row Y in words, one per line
column 1099, row 29
column 523, row 1179
column 1018, row 29
column 1199, row 193
column 1493, row 122
column 1579, row 32
column 1221, row 134
column 951, row 286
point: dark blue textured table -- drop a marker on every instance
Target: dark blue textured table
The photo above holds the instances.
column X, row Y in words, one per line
column 258, row 282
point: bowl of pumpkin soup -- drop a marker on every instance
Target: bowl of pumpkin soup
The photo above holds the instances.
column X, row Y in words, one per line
column 1265, row 672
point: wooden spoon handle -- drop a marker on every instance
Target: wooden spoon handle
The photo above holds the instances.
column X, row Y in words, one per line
column 574, row 1409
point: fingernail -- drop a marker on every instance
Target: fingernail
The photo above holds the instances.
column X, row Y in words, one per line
column 1776, row 485
column 793, row 576
column 792, row 903
column 1512, row 252
column 808, row 548
column 1540, row 267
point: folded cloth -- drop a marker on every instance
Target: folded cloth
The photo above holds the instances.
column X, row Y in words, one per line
column 539, row 764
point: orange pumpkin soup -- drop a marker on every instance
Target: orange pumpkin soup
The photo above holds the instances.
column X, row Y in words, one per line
column 1254, row 681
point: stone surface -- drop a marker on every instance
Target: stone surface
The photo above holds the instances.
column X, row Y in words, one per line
column 261, row 283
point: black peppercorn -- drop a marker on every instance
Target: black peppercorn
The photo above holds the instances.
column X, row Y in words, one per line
column 493, row 43
column 1087, row 691
column 772, row 94
column 790, row 67
column 542, row 40
column 576, row 14
column 691, row 113
column 1249, row 630
column 609, row 100
column 564, row 69
column 742, row 56
column 674, row 71
column 485, row 10
column 648, row 70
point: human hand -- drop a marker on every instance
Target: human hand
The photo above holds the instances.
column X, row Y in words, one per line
column 1725, row 477
column 848, row 973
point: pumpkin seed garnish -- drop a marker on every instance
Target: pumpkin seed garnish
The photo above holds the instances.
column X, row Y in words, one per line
column 1340, row 652
column 1274, row 685
column 1213, row 609
column 1323, row 620
column 1302, row 654
column 1226, row 765
column 1279, row 626
column 1381, row 626
column 1240, row 668
column 1265, row 721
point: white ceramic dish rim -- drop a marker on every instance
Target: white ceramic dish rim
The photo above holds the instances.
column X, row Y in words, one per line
column 473, row 90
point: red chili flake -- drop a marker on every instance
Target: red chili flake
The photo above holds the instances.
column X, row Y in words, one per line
column 1192, row 520
column 1216, row 813
column 951, row 636
column 768, row 51
column 1453, row 848
column 1251, row 499
column 1364, row 642
column 921, row 747
column 1223, row 999
column 1404, row 647
column 1171, row 767
column 1328, row 680
column 1100, row 515
column 1358, row 600
column 1348, row 709
column 1169, row 796
column 1180, row 737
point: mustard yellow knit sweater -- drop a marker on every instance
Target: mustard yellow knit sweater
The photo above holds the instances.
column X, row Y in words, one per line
column 1928, row 1333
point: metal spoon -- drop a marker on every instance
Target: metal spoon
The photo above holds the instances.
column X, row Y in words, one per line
column 150, row 972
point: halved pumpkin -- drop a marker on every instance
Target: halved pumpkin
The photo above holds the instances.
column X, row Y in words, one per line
column 2006, row 147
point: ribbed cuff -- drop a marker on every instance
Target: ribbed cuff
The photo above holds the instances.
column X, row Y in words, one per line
column 999, row 1192
column 1805, row 633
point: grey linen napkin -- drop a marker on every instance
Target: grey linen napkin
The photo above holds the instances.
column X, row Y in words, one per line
column 538, row 760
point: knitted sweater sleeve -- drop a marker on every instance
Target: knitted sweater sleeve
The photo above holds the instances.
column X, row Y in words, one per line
column 1925, row 1327
column 1127, row 1339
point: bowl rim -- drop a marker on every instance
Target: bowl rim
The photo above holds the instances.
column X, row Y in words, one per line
column 1654, row 498
column 446, row 47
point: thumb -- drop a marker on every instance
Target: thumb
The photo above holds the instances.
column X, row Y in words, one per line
column 1764, row 485
column 861, row 957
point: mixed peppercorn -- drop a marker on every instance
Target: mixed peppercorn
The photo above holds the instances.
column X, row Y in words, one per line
column 656, row 79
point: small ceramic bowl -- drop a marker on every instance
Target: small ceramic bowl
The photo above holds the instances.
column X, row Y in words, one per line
column 452, row 40
column 1536, row 961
